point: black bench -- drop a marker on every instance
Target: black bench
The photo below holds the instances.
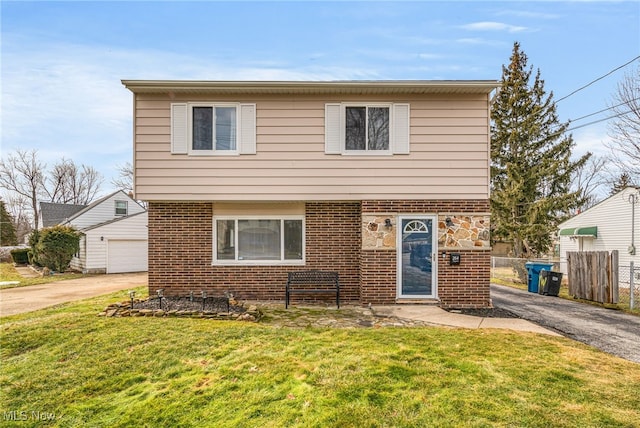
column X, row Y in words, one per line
column 312, row 281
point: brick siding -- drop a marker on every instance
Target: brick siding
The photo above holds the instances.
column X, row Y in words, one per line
column 378, row 277
column 465, row 285
column 181, row 251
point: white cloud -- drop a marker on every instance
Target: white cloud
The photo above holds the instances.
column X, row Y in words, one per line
column 493, row 26
column 591, row 139
column 67, row 99
column 479, row 41
column 430, row 56
column 529, row 14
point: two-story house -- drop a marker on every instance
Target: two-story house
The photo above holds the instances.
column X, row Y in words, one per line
column 385, row 182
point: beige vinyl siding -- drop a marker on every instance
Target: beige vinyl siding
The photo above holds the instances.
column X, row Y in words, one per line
column 258, row 208
column 449, row 154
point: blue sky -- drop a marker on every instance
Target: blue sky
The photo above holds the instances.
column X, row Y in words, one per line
column 62, row 62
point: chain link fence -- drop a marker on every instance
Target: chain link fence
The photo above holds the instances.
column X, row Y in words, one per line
column 510, row 269
column 629, row 286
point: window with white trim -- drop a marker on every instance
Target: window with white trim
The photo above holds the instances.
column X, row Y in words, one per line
column 211, row 128
column 367, row 128
column 259, row 240
column 121, row 207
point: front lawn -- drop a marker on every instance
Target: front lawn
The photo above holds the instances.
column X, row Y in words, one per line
column 9, row 273
column 77, row 369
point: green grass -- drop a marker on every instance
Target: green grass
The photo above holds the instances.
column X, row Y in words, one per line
column 121, row 372
column 9, row 273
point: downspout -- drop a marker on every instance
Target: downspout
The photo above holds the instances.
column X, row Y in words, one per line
column 632, row 199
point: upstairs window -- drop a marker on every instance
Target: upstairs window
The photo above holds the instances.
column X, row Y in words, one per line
column 367, row 129
column 205, row 128
column 121, row 208
column 213, row 128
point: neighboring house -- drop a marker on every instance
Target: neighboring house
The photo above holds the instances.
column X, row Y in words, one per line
column 52, row 214
column 113, row 229
column 385, row 182
column 606, row 226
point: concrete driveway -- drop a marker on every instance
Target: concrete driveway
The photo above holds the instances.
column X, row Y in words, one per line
column 609, row 330
column 26, row 299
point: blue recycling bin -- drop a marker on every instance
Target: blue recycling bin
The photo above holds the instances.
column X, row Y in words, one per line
column 533, row 270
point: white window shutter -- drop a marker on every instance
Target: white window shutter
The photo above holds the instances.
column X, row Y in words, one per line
column 179, row 128
column 247, row 140
column 332, row 134
column 400, row 129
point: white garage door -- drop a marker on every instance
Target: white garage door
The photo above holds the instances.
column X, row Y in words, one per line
column 126, row 255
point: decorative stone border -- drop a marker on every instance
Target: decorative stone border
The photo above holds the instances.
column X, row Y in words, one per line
column 123, row 309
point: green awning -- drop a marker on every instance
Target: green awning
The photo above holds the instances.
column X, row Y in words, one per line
column 587, row 231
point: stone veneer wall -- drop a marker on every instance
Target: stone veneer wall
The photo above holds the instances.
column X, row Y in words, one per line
column 465, row 285
column 180, row 252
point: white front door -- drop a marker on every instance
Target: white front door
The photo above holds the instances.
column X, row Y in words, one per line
column 417, row 243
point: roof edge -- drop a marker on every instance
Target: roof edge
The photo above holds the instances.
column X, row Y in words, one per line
column 420, row 86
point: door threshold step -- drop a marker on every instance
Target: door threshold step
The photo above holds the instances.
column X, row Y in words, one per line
column 432, row 302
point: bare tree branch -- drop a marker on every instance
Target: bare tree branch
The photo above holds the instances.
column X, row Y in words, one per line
column 18, row 207
column 125, row 178
column 625, row 129
column 22, row 173
column 590, row 180
column 69, row 184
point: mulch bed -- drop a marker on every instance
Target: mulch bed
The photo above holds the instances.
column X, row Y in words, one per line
column 211, row 304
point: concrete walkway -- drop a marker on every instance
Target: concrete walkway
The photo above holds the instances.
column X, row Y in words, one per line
column 26, row 299
column 436, row 315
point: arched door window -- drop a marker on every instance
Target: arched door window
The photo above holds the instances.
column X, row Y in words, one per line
column 416, row 226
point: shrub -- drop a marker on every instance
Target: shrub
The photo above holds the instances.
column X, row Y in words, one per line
column 56, row 246
column 20, row 256
column 33, row 241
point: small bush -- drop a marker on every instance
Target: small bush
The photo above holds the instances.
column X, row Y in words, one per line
column 55, row 247
column 20, row 256
column 33, row 241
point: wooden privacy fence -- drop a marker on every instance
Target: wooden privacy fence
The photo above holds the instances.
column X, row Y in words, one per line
column 593, row 275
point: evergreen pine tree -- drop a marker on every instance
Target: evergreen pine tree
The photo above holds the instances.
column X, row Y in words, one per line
column 530, row 162
column 7, row 229
column 623, row 181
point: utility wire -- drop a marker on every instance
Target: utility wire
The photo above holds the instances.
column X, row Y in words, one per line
column 603, row 110
column 598, row 121
column 599, row 78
